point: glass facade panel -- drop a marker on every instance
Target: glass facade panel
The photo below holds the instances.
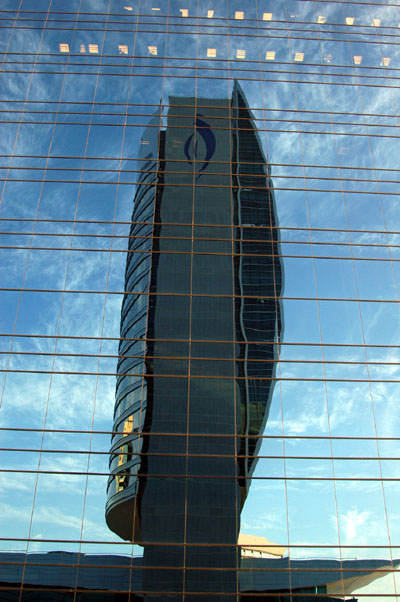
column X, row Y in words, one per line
column 200, row 301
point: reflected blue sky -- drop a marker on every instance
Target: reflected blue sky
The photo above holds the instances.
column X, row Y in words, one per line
column 322, row 80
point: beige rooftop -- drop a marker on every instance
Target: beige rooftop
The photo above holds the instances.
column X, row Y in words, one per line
column 259, row 546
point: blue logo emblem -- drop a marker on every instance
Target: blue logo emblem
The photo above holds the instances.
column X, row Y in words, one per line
column 204, row 131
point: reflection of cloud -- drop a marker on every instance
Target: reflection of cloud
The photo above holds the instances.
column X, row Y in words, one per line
column 263, row 523
column 362, row 528
column 353, row 522
column 8, row 484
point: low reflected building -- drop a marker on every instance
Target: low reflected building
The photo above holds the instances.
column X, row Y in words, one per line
column 66, row 577
column 201, row 319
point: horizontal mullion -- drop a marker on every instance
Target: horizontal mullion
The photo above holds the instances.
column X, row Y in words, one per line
column 212, row 545
column 203, row 359
column 95, row 103
column 30, row 563
column 137, row 14
column 231, row 30
column 207, row 295
column 386, row 73
column 125, row 115
column 132, row 237
column 191, row 185
column 117, row 222
column 196, row 477
column 191, row 594
column 228, row 23
column 171, row 127
column 202, row 377
column 193, row 340
column 200, row 161
column 138, row 434
column 241, row 174
column 207, row 253
column 205, row 77
column 199, row 435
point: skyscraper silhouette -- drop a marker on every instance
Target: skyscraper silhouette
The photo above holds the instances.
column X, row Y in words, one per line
column 199, row 330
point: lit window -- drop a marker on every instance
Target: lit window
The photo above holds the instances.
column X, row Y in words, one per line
column 240, row 54
column 267, row 16
column 321, row 19
column 349, row 20
column 64, row 47
column 156, row 8
column 385, row 61
column 210, row 13
column 376, row 22
column 93, row 48
column 357, row 60
column 144, row 142
column 152, row 50
column 212, row 52
column 328, row 58
column 128, row 7
column 270, row 55
column 83, row 49
column 299, row 56
column 184, row 12
column 125, row 455
column 239, row 14
column 123, row 49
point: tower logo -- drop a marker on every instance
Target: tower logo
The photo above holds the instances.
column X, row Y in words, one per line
column 200, row 146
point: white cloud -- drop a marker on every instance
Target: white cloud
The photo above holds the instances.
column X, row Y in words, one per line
column 353, row 523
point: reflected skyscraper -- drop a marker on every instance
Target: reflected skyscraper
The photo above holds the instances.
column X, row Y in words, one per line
column 200, row 324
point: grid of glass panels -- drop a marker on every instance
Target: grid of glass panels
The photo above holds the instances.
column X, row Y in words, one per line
column 81, row 84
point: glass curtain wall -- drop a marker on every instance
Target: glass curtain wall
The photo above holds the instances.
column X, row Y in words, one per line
column 235, row 163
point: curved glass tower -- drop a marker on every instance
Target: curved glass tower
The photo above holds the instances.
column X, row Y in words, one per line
column 199, row 330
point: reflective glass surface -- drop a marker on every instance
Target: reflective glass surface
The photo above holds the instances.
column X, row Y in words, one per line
column 199, row 300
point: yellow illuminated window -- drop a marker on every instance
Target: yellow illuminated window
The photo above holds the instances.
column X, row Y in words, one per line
column 210, row 13
column 125, row 455
column 270, row 55
column 299, row 56
column 267, row 16
column 240, row 54
column 328, row 58
column 184, row 12
column 321, row 19
column 64, row 47
column 349, row 20
column 239, row 14
column 128, row 424
column 376, row 22
column 93, row 48
column 385, row 61
column 123, row 49
column 155, row 8
column 128, row 7
column 357, row 60
column 152, row 50
column 83, row 49
column 212, row 52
